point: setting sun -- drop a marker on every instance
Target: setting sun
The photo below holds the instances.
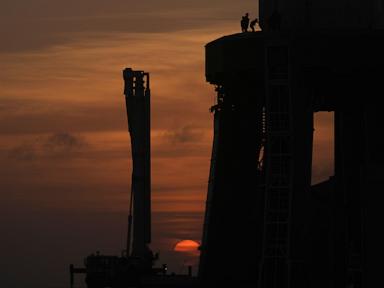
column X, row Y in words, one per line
column 186, row 246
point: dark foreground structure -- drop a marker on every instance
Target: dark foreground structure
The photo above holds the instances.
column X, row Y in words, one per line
column 135, row 268
column 266, row 226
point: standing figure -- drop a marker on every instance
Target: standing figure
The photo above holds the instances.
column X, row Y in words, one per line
column 253, row 24
column 244, row 23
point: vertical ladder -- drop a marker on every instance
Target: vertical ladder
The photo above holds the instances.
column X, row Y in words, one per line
column 274, row 270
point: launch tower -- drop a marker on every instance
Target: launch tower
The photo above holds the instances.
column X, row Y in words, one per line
column 266, row 226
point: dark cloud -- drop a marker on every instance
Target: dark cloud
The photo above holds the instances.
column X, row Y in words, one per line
column 23, row 152
column 184, row 134
column 63, row 143
column 56, row 145
column 23, row 116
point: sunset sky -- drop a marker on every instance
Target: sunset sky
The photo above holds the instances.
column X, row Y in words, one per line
column 64, row 145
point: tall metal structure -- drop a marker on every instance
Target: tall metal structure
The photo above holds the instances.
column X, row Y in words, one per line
column 137, row 96
column 266, row 226
column 135, row 266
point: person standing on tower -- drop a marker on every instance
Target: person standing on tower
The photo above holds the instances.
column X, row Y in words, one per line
column 253, row 24
column 244, row 23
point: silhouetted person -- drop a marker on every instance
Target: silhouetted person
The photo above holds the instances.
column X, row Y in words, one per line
column 244, row 23
column 253, row 24
column 274, row 21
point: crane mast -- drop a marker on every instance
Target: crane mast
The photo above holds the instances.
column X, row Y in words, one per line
column 137, row 96
column 135, row 267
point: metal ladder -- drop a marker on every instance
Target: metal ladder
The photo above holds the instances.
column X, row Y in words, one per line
column 274, row 270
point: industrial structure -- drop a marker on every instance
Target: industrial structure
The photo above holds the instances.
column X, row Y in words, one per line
column 266, row 225
column 137, row 97
column 135, row 266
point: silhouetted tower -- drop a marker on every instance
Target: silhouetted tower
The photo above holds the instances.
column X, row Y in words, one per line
column 137, row 96
column 262, row 212
column 137, row 261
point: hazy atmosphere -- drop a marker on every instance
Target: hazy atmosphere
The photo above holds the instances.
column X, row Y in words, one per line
column 64, row 145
